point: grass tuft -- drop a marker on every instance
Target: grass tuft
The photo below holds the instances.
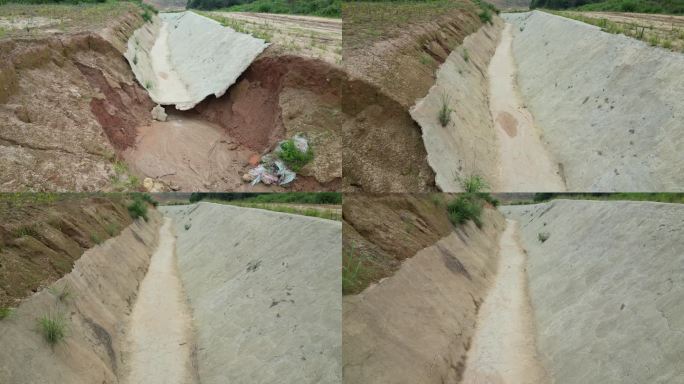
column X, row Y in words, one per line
column 64, row 294
column 444, row 115
column 53, row 327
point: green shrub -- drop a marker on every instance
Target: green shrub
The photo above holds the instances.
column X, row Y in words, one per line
column 486, row 16
column 148, row 198
column 53, row 327
column 138, row 208
column 474, row 184
column 293, row 157
column 465, row 207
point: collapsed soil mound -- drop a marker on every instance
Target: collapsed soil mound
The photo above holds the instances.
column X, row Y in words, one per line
column 607, row 287
column 67, row 104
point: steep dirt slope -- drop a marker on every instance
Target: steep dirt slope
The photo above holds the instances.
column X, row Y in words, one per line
column 68, row 103
column 264, row 289
column 416, row 325
column 102, row 289
column 392, row 52
column 607, row 289
column 608, row 105
column 42, row 236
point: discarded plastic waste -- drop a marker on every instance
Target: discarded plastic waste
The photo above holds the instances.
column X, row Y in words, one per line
column 272, row 170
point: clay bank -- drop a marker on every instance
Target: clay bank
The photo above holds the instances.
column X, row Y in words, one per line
column 178, row 102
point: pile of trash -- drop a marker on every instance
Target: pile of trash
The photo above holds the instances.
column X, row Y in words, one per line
column 272, row 170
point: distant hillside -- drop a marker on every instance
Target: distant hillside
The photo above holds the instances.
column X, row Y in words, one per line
column 640, row 6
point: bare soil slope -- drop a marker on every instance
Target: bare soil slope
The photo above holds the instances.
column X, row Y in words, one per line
column 42, row 236
column 67, row 103
column 392, row 52
column 416, row 325
column 102, row 289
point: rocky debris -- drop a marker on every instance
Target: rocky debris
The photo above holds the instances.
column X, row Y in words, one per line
column 158, row 113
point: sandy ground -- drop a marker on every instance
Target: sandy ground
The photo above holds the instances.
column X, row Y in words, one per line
column 504, row 348
column 160, row 327
column 189, row 154
column 525, row 164
column 309, row 36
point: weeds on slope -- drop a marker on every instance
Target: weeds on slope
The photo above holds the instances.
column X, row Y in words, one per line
column 669, row 36
column 445, row 112
column 468, row 206
column 138, row 208
column 53, row 327
column 6, row 312
column 357, row 271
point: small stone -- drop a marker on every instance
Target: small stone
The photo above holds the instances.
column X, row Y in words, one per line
column 248, row 177
column 158, row 113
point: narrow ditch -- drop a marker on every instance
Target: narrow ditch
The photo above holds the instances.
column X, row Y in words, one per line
column 525, row 164
column 160, row 330
column 504, row 346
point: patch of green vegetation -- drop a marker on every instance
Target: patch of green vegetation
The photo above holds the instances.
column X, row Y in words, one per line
column 465, row 207
column 138, row 208
column 53, row 327
column 95, row 238
column 638, row 6
column 26, row 230
column 6, row 312
column 357, row 271
column 543, row 236
column 325, row 8
column 123, row 180
column 465, row 55
column 293, row 157
column 444, row 114
column 676, row 198
column 112, row 229
column 468, row 205
column 149, row 199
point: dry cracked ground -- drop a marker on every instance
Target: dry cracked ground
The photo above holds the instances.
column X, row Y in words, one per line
column 518, row 100
column 566, row 291
column 95, row 98
column 200, row 293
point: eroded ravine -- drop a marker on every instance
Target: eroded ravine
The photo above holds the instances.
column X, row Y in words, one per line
column 525, row 164
column 160, row 330
column 504, row 346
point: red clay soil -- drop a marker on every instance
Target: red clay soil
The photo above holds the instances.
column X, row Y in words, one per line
column 251, row 111
column 121, row 110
